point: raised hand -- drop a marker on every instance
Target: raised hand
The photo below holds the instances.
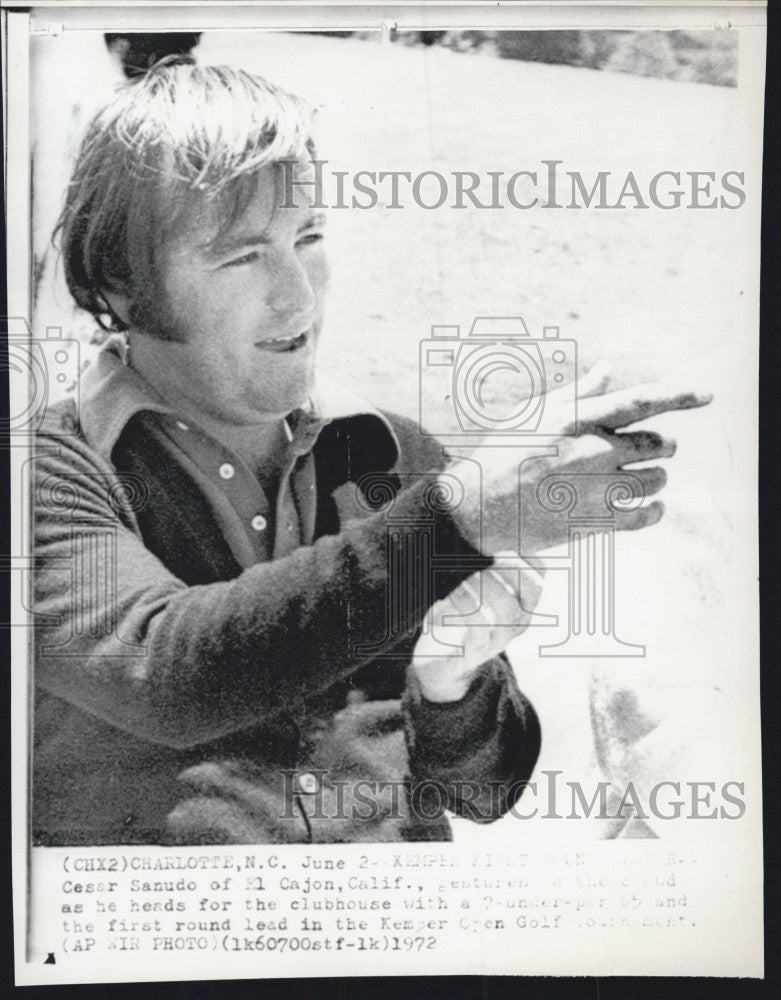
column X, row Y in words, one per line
column 586, row 451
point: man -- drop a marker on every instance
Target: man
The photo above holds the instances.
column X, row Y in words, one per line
column 234, row 639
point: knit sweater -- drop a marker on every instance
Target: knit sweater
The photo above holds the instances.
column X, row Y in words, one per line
column 202, row 679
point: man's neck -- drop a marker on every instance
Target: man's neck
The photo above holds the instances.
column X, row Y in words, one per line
column 263, row 447
column 261, row 444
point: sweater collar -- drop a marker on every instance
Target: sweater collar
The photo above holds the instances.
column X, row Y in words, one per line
column 112, row 393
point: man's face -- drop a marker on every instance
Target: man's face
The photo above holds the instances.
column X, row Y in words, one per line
column 249, row 309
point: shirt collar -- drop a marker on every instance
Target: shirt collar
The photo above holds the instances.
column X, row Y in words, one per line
column 112, row 393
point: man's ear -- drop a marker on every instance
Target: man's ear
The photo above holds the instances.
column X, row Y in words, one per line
column 119, row 304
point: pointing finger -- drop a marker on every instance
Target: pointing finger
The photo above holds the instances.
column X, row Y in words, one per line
column 643, row 517
column 638, row 446
column 628, row 406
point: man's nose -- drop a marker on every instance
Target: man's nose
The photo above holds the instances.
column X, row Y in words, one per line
column 291, row 290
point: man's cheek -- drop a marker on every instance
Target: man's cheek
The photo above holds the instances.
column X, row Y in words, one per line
column 319, row 277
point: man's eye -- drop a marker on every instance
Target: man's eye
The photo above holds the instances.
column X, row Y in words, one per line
column 309, row 238
column 245, row 258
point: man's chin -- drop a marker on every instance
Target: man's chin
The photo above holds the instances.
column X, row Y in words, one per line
column 291, row 397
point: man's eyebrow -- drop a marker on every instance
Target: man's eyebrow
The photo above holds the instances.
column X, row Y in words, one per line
column 313, row 218
column 231, row 244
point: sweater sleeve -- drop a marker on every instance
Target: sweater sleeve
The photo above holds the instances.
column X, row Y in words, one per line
column 121, row 637
column 480, row 750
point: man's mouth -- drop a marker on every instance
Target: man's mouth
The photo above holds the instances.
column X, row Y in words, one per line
column 285, row 345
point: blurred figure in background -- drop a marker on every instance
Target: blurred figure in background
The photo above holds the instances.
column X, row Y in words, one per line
column 139, row 51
